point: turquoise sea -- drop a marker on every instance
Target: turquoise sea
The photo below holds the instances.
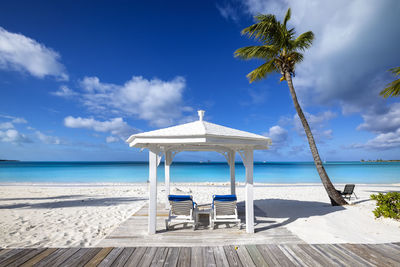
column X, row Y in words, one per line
column 125, row 172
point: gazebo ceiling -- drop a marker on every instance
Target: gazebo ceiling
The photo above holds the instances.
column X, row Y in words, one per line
column 199, row 135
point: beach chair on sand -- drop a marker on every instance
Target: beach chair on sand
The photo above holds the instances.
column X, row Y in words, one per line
column 348, row 191
column 181, row 211
column 224, row 210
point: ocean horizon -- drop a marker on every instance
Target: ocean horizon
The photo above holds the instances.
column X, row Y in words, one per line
column 131, row 172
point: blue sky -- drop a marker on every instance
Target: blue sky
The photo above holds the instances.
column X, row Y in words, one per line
column 76, row 79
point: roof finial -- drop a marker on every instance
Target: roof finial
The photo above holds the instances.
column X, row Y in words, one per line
column 201, row 114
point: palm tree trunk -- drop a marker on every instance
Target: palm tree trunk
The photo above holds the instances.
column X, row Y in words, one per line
column 335, row 197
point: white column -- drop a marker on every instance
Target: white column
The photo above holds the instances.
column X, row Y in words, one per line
column 167, row 163
column 248, row 163
column 153, row 162
column 231, row 157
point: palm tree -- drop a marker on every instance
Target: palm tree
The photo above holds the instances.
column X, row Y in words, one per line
column 281, row 51
column 393, row 88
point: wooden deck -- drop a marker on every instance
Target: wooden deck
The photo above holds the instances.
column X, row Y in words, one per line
column 133, row 232
column 247, row 255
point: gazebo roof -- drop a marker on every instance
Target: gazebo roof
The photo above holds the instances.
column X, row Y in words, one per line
column 199, row 135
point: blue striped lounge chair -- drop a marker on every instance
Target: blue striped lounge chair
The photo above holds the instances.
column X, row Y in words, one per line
column 181, row 210
column 224, row 210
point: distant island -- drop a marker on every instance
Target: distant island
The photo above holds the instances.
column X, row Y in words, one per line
column 381, row 160
column 8, row 160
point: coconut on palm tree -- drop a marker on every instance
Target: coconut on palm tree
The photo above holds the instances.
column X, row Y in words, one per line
column 281, row 51
column 393, row 88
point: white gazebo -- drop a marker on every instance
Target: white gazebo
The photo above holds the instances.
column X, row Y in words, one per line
column 199, row 136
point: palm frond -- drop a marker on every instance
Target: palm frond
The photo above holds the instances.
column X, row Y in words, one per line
column 296, row 57
column 266, row 28
column 258, row 52
column 395, row 71
column 303, row 41
column 393, row 88
column 262, row 71
column 287, row 16
column 280, row 48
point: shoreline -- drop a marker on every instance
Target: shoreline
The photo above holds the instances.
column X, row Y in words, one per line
column 238, row 184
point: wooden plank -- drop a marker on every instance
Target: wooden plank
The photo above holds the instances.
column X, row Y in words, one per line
column 209, row 259
column 361, row 252
column 329, row 254
column 378, row 257
column 13, row 257
column 172, row 257
column 50, row 260
column 302, row 256
column 136, row 256
column 220, row 257
column 268, row 256
column 98, row 257
column 197, row 257
column 85, row 258
column 74, row 258
column 256, row 255
column 360, row 261
column 244, row 256
column 342, row 255
column 394, row 246
column 9, row 254
column 159, row 258
column 282, row 259
column 110, row 258
column 231, row 256
column 147, row 256
column 290, row 255
column 316, row 255
column 184, row 257
column 4, row 251
column 123, row 257
column 386, row 251
column 381, row 258
column 28, row 255
column 39, row 257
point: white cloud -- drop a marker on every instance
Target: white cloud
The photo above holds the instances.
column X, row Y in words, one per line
column 64, row 91
column 112, row 139
column 19, row 120
column 382, row 141
column 117, row 127
column 21, row 53
column 159, row 102
column 317, row 124
column 228, row 11
column 278, row 135
column 13, row 136
column 387, row 127
column 14, row 119
column 47, row 139
column 382, row 123
column 6, row 125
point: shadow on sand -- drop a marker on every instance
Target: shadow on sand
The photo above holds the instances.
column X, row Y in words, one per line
column 41, row 198
column 269, row 211
column 93, row 202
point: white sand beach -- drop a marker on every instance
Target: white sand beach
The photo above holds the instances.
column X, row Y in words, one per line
column 82, row 215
